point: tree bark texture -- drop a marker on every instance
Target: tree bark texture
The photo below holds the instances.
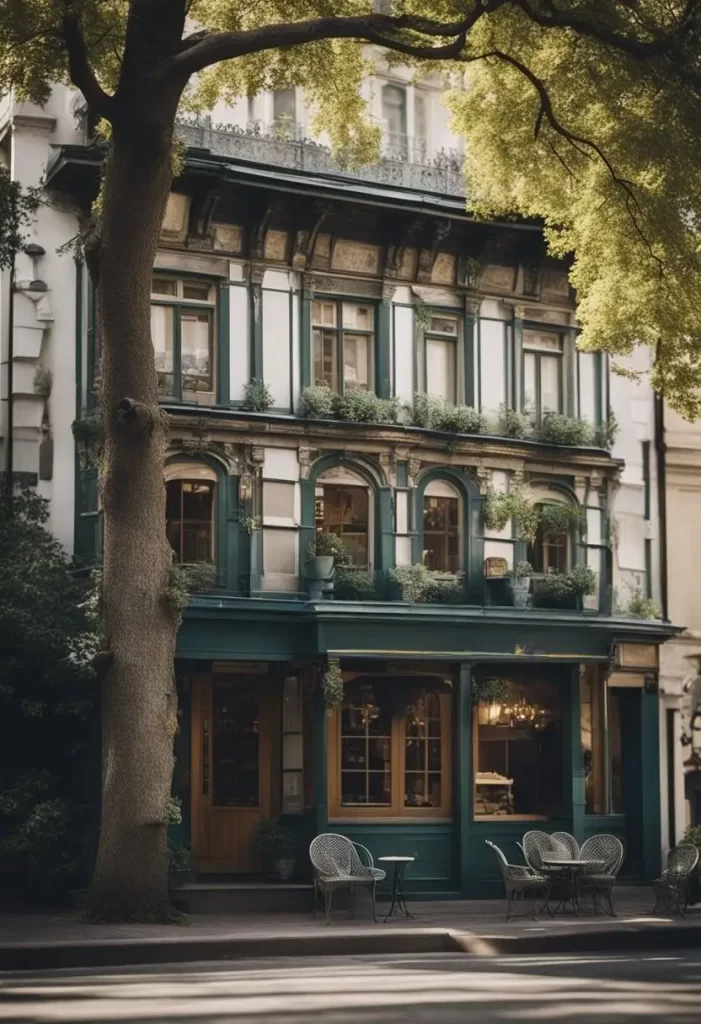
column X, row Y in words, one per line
column 139, row 699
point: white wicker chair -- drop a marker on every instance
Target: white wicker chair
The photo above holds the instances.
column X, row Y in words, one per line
column 519, row 881
column 337, row 865
column 537, row 845
column 600, row 882
column 569, row 842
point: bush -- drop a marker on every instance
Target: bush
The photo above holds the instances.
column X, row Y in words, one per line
column 317, row 402
column 605, row 435
column 357, row 406
column 425, row 410
column 418, row 585
column 460, row 419
column 521, row 571
column 562, row 430
column 560, row 517
column 354, row 585
column 257, row 396
column 332, row 686
column 512, row 423
column 642, row 607
column 567, row 587
column 499, row 508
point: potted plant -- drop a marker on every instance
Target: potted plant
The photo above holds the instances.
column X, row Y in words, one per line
column 179, row 863
column 566, row 589
column 276, row 847
column 325, row 551
column 520, row 579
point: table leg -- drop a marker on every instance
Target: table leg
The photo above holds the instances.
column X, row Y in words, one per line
column 398, row 899
column 401, row 898
column 394, row 892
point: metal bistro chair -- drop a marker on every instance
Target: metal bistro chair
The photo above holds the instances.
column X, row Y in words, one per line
column 569, row 842
column 519, row 880
column 337, row 865
column 537, row 845
column 600, row 882
column 671, row 888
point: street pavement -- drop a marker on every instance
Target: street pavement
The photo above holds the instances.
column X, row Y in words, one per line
column 437, row 988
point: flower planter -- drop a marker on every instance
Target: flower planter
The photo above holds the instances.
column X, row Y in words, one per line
column 319, row 567
column 284, row 868
column 520, row 589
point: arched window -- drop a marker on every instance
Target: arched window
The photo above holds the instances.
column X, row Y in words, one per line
column 551, row 550
column 190, row 512
column 344, row 506
column 441, row 527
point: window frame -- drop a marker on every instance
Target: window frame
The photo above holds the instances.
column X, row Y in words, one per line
column 456, row 340
column 461, row 553
column 540, row 543
column 340, row 331
column 396, row 811
column 537, row 413
column 179, row 305
column 361, row 485
column 184, row 479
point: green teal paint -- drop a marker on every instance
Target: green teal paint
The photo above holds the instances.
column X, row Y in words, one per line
column 650, row 783
column 78, row 395
column 231, row 528
column 402, row 474
column 256, row 331
column 223, row 344
column 574, row 801
column 569, row 372
column 387, row 549
column 470, row 361
column 320, row 762
column 382, row 361
column 463, row 780
column 518, row 397
column 305, row 338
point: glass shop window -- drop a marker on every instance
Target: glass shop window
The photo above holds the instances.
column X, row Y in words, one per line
column 391, row 751
column 602, row 747
column 517, row 749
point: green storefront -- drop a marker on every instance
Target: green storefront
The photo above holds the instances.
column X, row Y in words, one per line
column 459, row 725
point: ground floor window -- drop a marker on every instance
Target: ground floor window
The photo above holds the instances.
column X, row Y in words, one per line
column 390, row 749
column 602, row 746
column 517, row 748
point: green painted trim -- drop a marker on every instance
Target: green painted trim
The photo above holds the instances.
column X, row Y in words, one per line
column 574, row 801
column 402, row 474
column 226, row 513
column 569, row 380
column 471, row 533
column 471, row 365
column 232, row 525
column 385, row 550
column 382, row 349
column 305, row 338
column 518, row 396
column 256, row 356
column 290, row 320
column 223, row 343
column 598, row 389
column 650, row 783
column 463, row 773
column 320, row 770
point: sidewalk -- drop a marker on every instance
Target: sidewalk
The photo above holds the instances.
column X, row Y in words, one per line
column 62, row 939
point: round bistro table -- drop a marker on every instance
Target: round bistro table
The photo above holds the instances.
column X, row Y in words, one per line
column 398, row 897
column 571, row 871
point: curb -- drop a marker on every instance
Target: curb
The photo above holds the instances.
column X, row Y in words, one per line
column 131, row 952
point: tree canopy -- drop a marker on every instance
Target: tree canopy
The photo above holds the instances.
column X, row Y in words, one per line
column 580, row 112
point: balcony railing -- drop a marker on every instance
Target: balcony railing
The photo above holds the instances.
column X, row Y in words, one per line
column 404, row 163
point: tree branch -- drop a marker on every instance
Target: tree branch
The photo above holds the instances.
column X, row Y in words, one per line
column 202, row 50
column 81, row 73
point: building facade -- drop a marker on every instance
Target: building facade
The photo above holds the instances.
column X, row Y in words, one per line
column 285, row 295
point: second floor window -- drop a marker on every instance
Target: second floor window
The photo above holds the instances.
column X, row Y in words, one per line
column 182, row 331
column 542, row 374
column 394, row 115
column 551, row 551
column 190, row 519
column 345, row 511
column 441, row 528
column 343, row 337
column 441, row 339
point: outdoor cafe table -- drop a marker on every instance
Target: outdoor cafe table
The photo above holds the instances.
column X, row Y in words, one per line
column 570, row 872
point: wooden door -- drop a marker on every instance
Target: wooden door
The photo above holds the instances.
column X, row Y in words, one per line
column 231, row 762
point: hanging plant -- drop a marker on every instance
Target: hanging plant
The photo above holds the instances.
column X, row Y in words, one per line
column 560, row 517
column 492, row 691
column 499, row 508
column 332, row 686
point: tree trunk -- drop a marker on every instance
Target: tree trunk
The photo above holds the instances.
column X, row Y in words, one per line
column 139, row 699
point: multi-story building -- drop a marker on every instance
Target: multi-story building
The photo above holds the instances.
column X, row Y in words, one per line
column 467, row 714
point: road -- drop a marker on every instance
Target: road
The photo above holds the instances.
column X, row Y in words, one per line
column 373, row 990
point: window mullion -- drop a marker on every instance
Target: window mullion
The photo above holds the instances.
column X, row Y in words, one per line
column 177, row 345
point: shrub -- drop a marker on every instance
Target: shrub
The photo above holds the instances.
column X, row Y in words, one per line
column 512, row 423
column 317, row 402
column 357, row 406
column 521, row 571
column 425, row 410
column 605, row 435
column 444, row 591
column 569, row 586
column 354, row 585
column 179, row 856
column 460, row 419
column 418, row 585
column 257, row 396
column 563, row 430
column 642, row 607
column 583, row 580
